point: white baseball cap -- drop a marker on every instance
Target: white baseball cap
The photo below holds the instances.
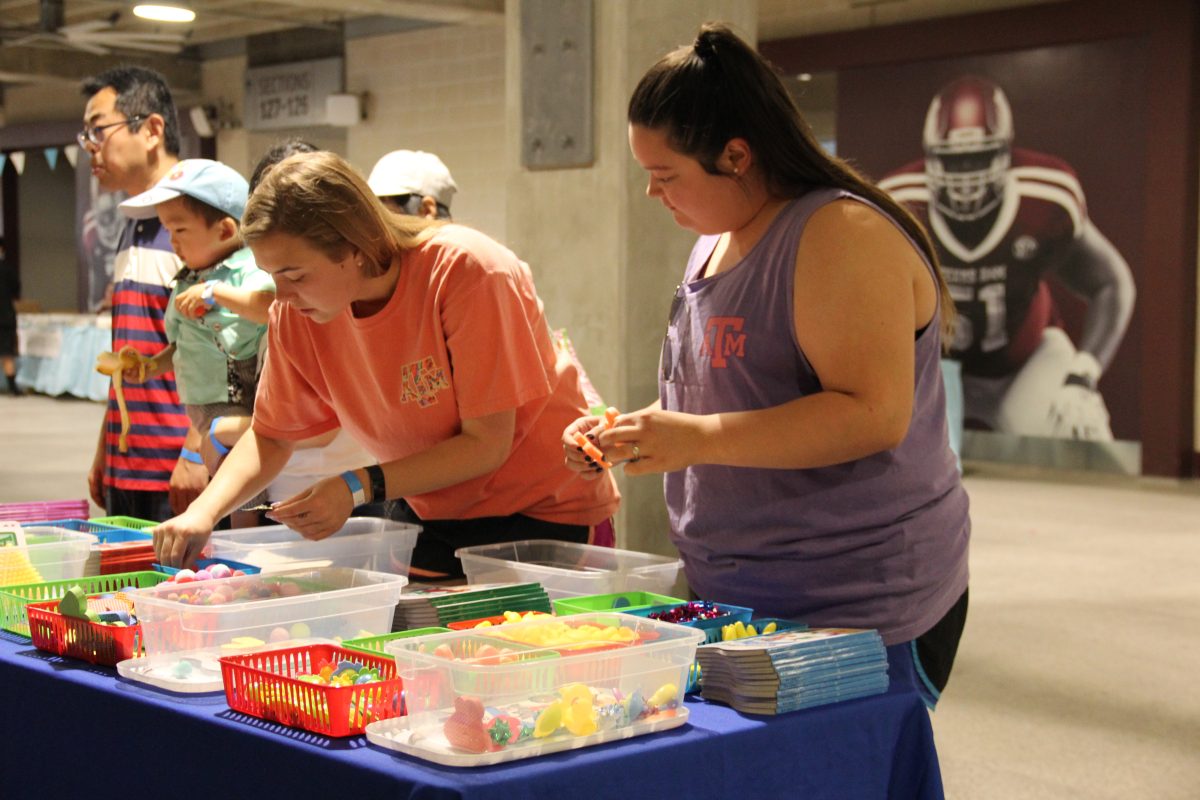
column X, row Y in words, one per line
column 412, row 172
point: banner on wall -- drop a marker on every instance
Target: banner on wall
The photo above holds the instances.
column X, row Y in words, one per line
column 98, row 226
column 1035, row 216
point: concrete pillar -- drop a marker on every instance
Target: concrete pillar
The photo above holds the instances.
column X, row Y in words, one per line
column 605, row 257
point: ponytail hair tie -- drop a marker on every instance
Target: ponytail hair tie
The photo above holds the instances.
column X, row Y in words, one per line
column 704, row 46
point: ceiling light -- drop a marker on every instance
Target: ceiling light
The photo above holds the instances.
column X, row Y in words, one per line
column 164, row 12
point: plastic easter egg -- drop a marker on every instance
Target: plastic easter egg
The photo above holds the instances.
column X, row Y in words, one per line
column 289, row 589
column 203, row 575
column 549, row 720
column 636, row 705
column 278, row 635
column 300, row 630
column 220, row 570
column 184, row 575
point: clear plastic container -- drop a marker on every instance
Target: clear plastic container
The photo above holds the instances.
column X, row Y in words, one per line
column 49, row 554
column 548, row 684
column 232, row 615
column 368, row 543
column 567, row 569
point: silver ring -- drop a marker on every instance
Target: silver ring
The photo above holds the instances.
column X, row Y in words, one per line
column 637, row 454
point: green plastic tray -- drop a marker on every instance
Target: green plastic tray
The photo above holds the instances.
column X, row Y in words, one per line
column 374, row 644
column 14, row 598
column 133, row 523
column 620, row 601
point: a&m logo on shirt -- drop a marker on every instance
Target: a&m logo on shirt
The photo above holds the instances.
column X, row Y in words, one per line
column 723, row 339
column 422, row 381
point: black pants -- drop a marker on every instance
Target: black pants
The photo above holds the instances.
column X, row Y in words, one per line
column 433, row 557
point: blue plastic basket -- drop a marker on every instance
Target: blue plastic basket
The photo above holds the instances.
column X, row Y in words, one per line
column 711, row 627
column 107, row 534
column 201, row 563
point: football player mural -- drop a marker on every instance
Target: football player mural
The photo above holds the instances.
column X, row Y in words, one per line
column 1006, row 220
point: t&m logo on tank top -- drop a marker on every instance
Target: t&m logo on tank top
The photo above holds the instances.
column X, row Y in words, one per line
column 723, row 339
column 422, row 380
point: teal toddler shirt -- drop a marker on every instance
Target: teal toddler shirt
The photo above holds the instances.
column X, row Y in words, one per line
column 205, row 346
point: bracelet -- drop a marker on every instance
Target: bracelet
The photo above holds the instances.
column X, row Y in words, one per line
column 356, row 488
column 378, row 483
column 212, row 437
column 190, row 455
column 207, row 295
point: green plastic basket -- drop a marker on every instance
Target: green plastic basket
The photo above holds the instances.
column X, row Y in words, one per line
column 133, row 523
column 621, row 602
column 374, row 644
column 14, row 598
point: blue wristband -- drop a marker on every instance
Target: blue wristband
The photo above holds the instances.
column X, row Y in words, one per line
column 356, row 488
column 191, row 455
column 212, row 437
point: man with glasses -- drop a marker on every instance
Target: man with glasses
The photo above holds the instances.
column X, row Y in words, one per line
column 131, row 135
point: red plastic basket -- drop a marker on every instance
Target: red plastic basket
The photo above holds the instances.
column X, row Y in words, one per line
column 265, row 685
column 80, row 638
column 468, row 624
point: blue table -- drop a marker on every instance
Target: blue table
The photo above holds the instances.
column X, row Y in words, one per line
column 76, row 730
column 58, row 354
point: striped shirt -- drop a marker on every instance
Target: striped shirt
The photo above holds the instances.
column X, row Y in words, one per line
column 143, row 271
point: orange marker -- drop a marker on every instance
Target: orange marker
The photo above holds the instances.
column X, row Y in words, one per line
column 591, row 450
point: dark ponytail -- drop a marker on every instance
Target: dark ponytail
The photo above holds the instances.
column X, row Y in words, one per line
column 719, row 88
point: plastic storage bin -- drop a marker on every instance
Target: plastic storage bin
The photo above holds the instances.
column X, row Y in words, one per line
column 266, row 685
column 13, row 599
column 548, row 684
column 567, row 569
column 624, row 602
column 234, row 614
column 49, row 554
column 367, row 543
column 116, row 549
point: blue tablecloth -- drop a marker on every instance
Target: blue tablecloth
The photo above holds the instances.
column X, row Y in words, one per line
column 58, row 355
column 76, row 730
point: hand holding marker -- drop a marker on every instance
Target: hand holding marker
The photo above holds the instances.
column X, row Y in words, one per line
column 590, row 449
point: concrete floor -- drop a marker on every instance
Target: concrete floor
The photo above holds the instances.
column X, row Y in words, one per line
column 1077, row 672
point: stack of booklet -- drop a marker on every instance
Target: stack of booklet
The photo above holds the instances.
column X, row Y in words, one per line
column 428, row 606
column 795, row 669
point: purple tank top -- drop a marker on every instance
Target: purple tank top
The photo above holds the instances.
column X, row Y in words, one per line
column 880, row 542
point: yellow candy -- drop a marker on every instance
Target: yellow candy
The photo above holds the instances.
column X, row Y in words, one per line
column 771, row 628
column 750, row 631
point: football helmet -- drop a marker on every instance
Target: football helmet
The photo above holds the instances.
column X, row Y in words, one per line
column 968, row 147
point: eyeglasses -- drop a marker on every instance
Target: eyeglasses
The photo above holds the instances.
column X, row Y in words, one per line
column 94, row 134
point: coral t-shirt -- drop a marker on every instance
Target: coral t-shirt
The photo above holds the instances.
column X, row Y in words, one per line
column 462, row 336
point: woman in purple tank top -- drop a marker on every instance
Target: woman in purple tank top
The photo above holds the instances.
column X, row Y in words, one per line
column 801, row 424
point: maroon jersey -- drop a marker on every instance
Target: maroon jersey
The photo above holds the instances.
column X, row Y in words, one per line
column 996, row 267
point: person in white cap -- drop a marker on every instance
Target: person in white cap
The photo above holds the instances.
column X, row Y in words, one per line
column 413, row 182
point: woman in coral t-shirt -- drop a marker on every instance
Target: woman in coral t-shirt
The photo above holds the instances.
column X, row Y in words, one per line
column 425, row 341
